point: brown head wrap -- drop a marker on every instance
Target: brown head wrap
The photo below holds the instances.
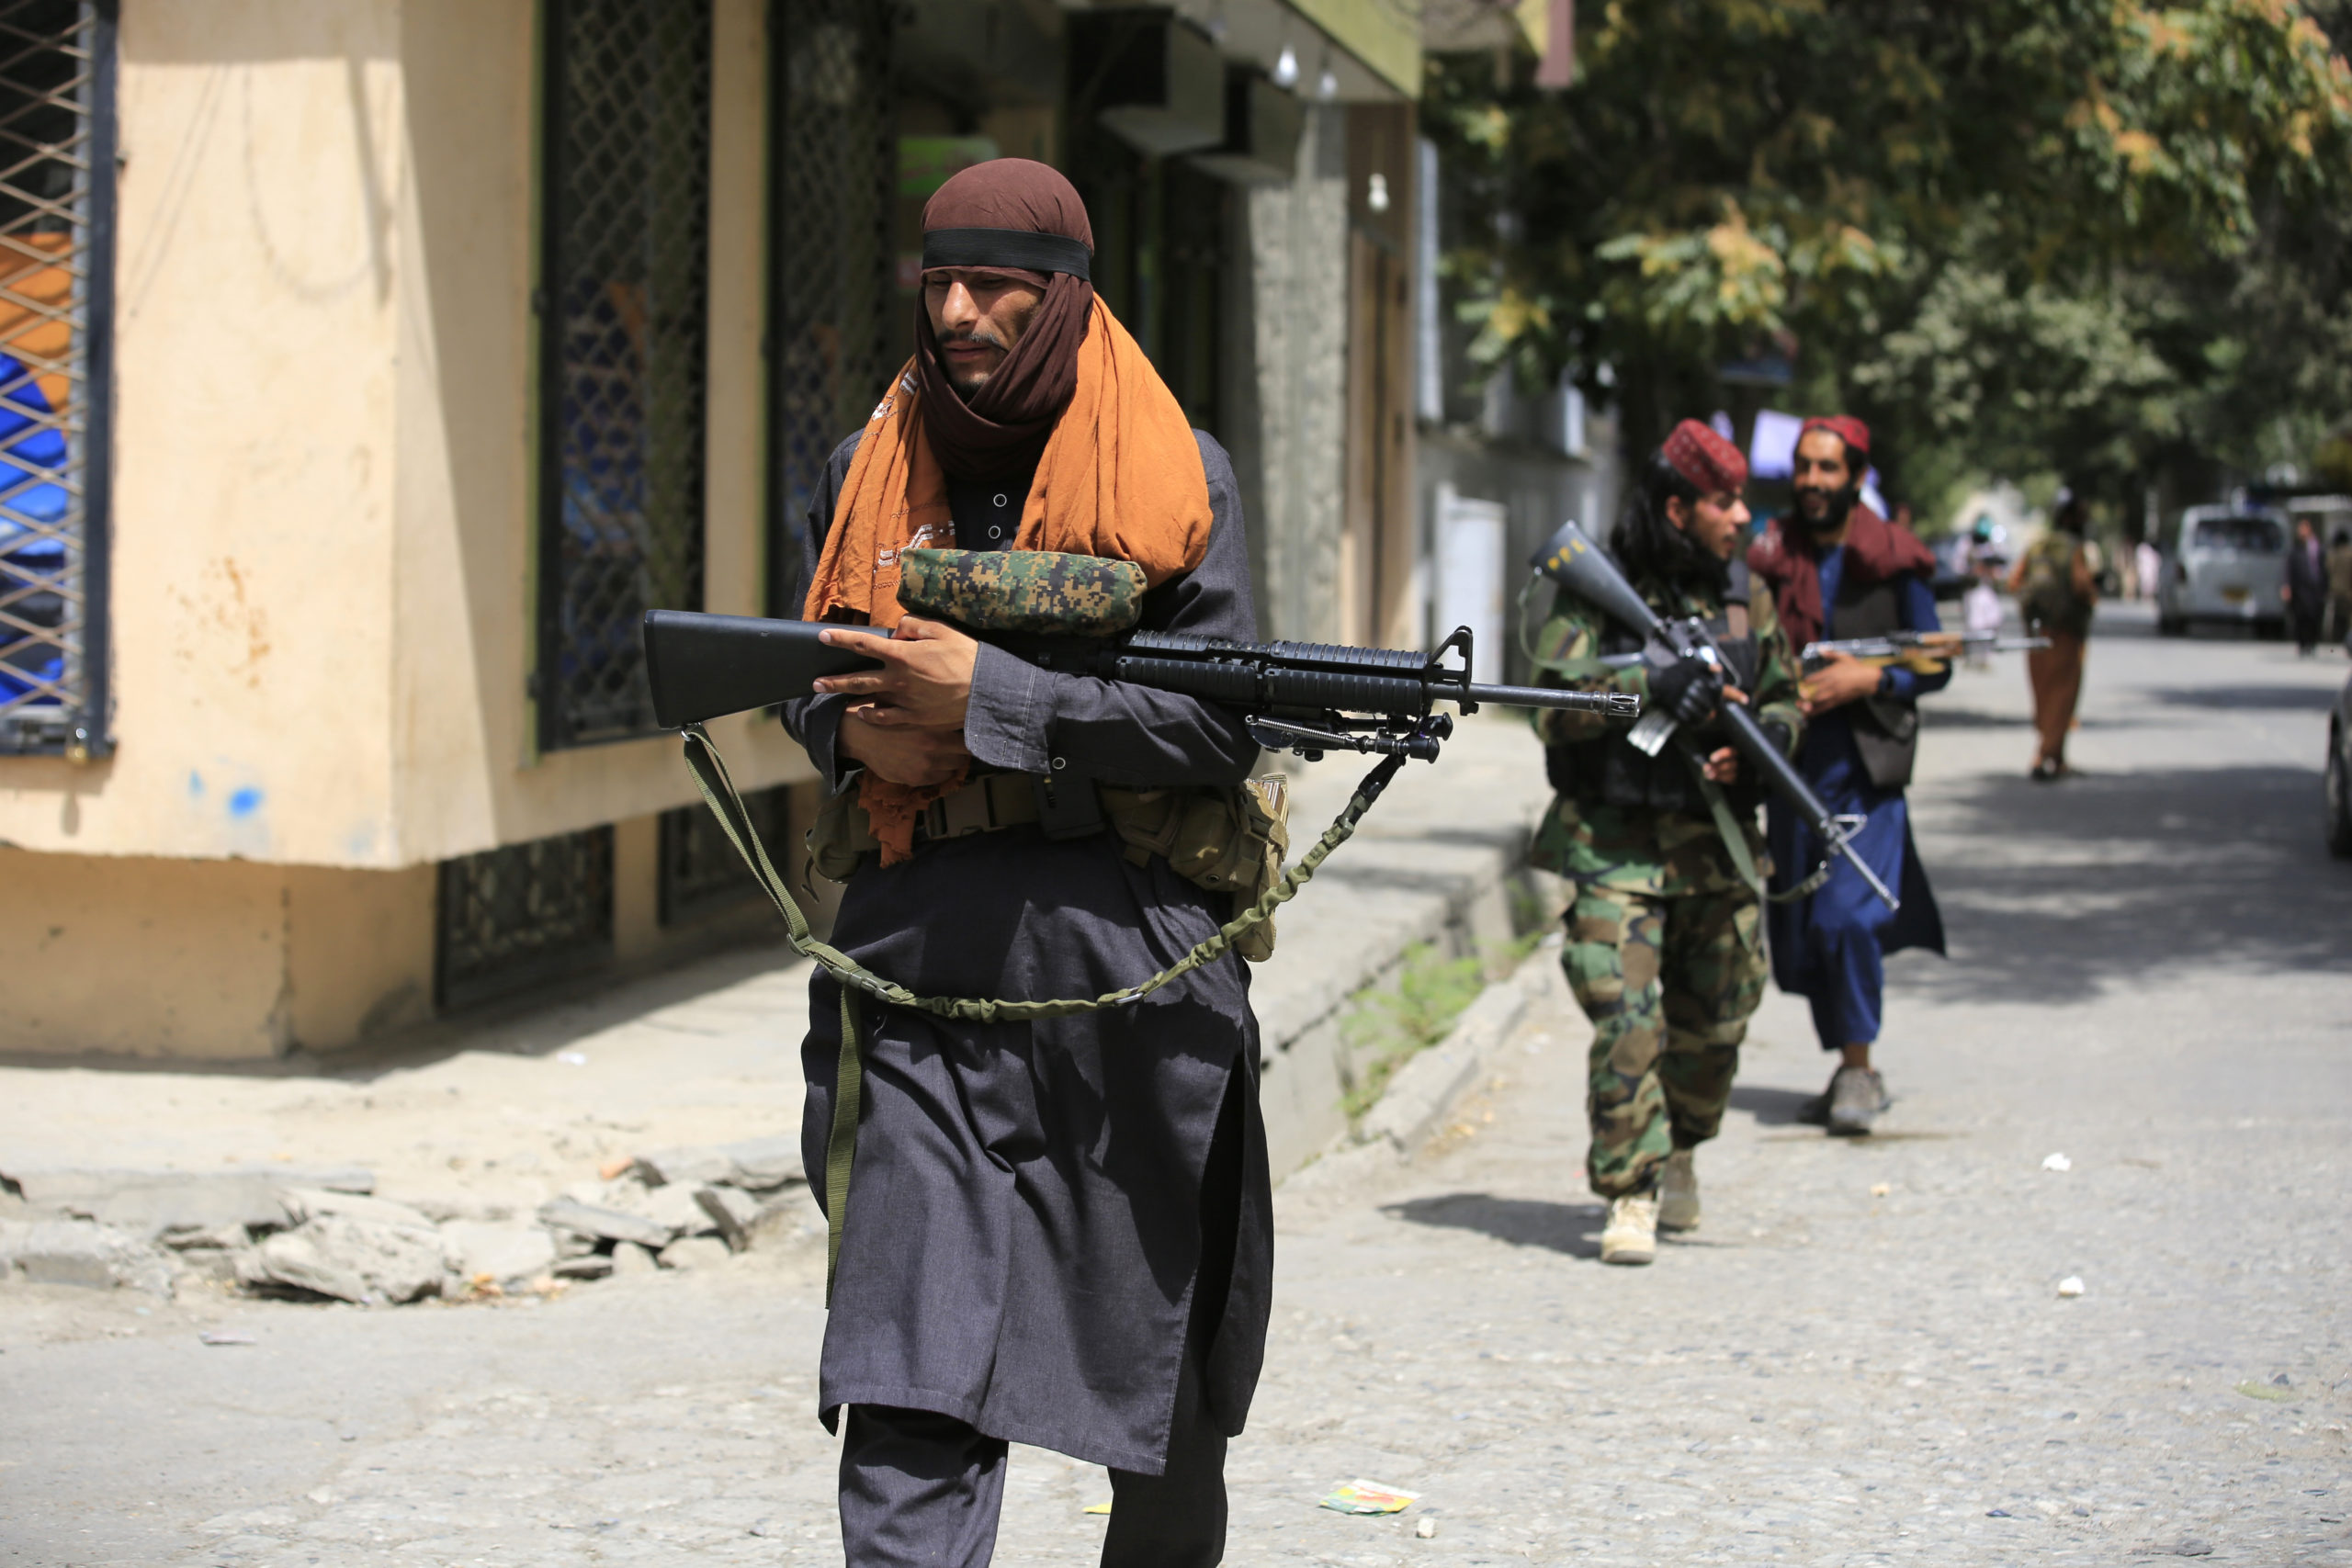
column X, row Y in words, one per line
column 1003, row 428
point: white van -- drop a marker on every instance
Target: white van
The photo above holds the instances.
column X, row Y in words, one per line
column 2227, row 565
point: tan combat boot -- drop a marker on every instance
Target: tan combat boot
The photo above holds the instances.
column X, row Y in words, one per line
column 1631, row 1234
column 1678, row 1193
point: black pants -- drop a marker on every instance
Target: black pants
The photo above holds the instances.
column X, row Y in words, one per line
column 922, row 1490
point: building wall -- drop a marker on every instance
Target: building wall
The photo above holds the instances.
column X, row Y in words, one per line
column 1539, row 490
column 132, row 956
column 324, row 533
column 324, row 522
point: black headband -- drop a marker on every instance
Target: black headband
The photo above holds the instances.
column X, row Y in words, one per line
column 1019, row 249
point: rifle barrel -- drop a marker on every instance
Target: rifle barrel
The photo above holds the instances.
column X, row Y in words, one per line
column 1616, row 704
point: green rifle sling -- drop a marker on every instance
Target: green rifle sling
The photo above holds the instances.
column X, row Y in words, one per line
column 725, row 804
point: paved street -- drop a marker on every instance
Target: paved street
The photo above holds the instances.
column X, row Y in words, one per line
column 1862, row 1357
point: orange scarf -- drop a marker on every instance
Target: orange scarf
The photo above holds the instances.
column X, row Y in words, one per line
column 1121, row 478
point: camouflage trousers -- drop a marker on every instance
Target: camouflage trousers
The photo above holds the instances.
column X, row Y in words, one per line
column 1669, row 985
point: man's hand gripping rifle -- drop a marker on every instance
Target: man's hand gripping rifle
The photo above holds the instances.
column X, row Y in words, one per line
column 1580, row 566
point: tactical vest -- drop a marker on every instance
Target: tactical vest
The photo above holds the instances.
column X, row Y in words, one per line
column 1886, row 729
column 1610, row 771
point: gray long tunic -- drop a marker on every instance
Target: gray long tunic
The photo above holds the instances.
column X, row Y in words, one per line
column 1025, row 1218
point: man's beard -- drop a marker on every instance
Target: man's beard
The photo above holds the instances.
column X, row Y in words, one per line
column 1832, row 517
column 970, row 389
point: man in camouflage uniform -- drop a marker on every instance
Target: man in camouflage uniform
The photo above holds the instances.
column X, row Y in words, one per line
column 1665, row 949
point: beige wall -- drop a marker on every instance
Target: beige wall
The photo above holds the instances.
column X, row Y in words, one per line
column 132, row 956
column 324, row 540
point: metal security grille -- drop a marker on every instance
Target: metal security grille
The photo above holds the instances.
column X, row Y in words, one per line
column 701, row 871
column 624, row 327
column 833, row 168
column 56, row 317
column 513, row 916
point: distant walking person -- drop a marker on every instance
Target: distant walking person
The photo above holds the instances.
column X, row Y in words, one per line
column 2151, row 564
column 2339, row 586
column 2056, row 593
column 2305, row 590
column 1838, row 569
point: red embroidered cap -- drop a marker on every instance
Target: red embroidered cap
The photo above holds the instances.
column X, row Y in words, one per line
column 1845, row 428
column 1705, row 459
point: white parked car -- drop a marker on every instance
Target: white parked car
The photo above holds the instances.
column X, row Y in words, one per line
column 2226, row 567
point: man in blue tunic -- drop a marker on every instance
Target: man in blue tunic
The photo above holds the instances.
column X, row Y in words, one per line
column 1839, row 571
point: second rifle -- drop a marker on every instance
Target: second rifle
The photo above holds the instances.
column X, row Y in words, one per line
column 1583, row 568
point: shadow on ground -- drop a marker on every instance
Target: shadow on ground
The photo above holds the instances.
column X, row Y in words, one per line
column 1775, row 1107
column 2109, row 879
column 2251, row 699
column 1571, row 1229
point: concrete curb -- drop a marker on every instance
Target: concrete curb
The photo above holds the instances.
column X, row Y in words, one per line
column 1426, row 1087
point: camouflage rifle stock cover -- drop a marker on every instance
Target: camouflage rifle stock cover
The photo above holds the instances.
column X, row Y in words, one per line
column 1039, row 591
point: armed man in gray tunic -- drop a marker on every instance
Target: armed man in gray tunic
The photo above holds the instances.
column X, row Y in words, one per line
column 1056, row 1233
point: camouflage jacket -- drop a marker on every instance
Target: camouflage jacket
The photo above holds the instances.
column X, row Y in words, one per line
column 1636, row 849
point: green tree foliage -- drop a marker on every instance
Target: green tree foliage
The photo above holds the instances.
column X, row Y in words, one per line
column 2023, row 235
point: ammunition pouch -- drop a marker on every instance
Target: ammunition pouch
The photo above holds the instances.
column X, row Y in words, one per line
column 1225, row 841
column 1230, row 841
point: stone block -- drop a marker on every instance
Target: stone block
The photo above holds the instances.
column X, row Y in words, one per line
column 504, row 1254
column 351, row 1259
column 756, row 1164
column 694, row 1252
column 82, row 1252
column 304, row 1204
column 734, row 1211
column 680, row 1209
column 611, row 1225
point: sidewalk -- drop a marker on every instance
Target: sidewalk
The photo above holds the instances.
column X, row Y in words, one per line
column 484, row 1120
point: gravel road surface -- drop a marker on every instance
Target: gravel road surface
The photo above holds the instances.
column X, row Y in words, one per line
column 1862, row 1357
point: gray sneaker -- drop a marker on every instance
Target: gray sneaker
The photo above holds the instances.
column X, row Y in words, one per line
column 1857, row 1095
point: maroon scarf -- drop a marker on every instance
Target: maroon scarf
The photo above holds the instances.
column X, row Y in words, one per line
column 1789, row 558
column 1002, row 430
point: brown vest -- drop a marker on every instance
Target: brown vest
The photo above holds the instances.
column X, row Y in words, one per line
column 1886, row 729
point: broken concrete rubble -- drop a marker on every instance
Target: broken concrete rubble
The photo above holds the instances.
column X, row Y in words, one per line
column 304, row 1204
column 211, row 1252
column 612, row 1224
column 351, row 1259
column 326, row 1233
column 756, row 1164
column 694, row 1252
column 734, row 1211
column 148, row 1202
column 504, row 1255
column 681, row 1209
column 81, row 1252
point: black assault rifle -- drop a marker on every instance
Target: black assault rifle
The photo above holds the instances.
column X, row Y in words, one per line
column 1304, row 697
column 1577, row 564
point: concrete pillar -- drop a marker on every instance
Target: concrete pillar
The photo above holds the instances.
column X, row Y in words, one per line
column 1298, row 273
